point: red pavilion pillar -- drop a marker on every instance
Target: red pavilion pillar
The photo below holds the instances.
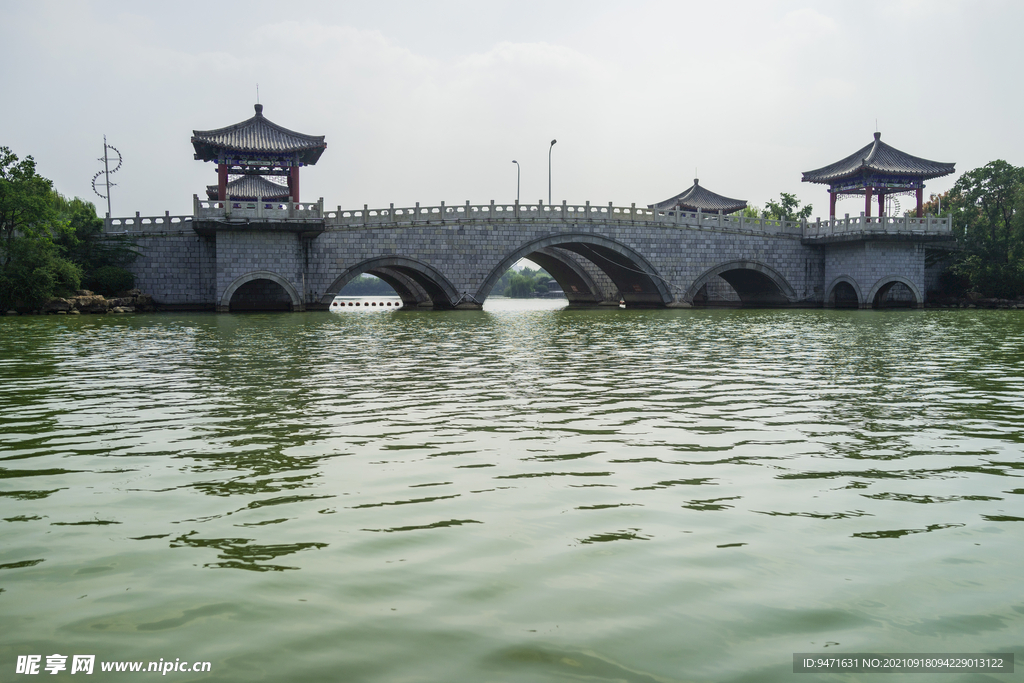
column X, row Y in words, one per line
column 920, row 201
column 293, row 183
column 831, row 205
column 867, row 201
column 881, row 204
column 222, row 181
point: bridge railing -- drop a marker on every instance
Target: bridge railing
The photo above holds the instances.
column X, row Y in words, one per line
column 366, row 217
column 235, row 209
column 593, row 213
column 884, row 225
column 147, row 224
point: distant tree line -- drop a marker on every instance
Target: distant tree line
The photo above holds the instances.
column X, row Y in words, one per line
column 522, row 284
column 786, row 209
column 367, row 285
column 51, row 245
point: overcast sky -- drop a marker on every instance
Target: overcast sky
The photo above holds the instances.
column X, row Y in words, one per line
column 431, row 101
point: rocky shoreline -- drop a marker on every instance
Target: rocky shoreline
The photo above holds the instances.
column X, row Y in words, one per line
column 85, row 301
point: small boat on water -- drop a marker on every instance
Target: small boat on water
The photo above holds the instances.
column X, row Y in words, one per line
column 365, row 303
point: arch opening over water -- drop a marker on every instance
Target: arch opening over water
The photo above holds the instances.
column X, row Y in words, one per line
column 895, row 292
column 260, row 291
column 591, row 270
column 755, row 284
column 368, row 284
column 419, row 284
column 844, row 293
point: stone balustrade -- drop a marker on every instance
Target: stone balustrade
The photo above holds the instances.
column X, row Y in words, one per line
column 148, row 224
column 859, row 227
column 340, row 219
column 230, row 211
column 819, row 229
column 235, row 209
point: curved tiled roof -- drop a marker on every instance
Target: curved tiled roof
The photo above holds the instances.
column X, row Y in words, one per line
column 696, row 197
column 260, row 136
column 878, row 157
column 250, row 187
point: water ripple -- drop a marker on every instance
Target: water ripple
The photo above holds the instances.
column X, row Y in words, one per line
column 798, row 479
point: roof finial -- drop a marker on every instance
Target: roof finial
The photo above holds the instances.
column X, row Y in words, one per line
column 259, row 109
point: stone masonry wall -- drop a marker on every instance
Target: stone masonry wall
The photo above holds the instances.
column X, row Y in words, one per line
column 176, row 269
column 467, row 254
column 241, row 253
column 187, row 269
column 873, row 263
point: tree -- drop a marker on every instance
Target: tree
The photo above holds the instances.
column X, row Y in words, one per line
column 933, row 207
column 750, row 212
column 26, row 207
column 987, row 205
column 102, row 257
column 787, row 208
column 519, row 287
column 32, row 268
column 522, row 284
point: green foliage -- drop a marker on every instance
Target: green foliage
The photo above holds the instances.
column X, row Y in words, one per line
column 85, row 243
column 987, row 205
column 32, row 264
column 110, row 280
column 749, row 211
column 787, row 209
column 1001, row 280
column 26, row 205
column 522, row 284
column 519, row 287
column 34, row 271
column 367, row 285
column 933, row 207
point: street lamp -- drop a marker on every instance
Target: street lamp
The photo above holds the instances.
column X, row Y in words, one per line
column 549, row 170
column 518, row 169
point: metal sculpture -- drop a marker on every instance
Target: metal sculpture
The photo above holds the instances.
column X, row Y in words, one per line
column 106, row 159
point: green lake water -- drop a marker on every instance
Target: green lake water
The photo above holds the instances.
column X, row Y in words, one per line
column 525, row 493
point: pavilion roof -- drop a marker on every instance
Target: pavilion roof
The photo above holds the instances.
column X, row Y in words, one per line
column 879, row 158
column 257, row 135
column 697, row 197
column 250, row 187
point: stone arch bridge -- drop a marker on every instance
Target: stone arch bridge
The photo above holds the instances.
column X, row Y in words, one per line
column 237, row 255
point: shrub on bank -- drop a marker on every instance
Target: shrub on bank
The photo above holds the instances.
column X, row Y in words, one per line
column 111, row 280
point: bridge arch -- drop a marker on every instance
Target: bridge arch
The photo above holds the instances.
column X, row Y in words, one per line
column 254, row 276
column 754, row 282
column 844, row 284
column 636, row 279
column 876, row 296
column 416, row 282
column 577, row 283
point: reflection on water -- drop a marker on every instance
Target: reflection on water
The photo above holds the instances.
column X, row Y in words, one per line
column 523, row 493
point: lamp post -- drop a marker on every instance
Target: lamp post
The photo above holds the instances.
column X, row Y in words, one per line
column 549, row 170
column 518, row 169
